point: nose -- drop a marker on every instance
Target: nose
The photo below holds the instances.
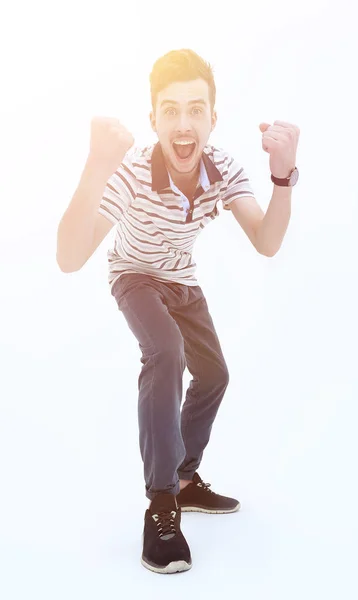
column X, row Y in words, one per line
column 183, row 124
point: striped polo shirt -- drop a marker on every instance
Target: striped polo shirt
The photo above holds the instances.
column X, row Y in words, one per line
column 156, row 225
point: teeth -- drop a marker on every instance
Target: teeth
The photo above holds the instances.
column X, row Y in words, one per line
column 183, row 143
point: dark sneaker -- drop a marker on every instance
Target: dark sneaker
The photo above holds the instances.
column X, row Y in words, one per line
column 165, row 549
column 197, row 497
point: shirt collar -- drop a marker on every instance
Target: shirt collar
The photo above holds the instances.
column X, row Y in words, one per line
column 161, row 180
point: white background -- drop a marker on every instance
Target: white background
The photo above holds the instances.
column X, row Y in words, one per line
column 72, row 496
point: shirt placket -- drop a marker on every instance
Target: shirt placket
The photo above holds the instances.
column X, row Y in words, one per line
column 187, row 205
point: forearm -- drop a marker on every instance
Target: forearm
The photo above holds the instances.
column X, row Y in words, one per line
column 270, row 233
column 76, row 229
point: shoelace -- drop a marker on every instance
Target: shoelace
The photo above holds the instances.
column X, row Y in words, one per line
column 205, row 486
column 165, row 522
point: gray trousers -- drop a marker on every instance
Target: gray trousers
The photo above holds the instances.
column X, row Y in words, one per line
column 174, row 329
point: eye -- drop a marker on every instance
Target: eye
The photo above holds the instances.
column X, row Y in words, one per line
column 169, row 110
column 197, row 108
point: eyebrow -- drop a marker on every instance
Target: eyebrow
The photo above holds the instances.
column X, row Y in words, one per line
column 196, row 101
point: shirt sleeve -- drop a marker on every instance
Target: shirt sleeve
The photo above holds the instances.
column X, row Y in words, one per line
column 119, row 193
column 238, row 183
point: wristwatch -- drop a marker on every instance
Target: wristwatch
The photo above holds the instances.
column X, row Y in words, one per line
column 290, row 181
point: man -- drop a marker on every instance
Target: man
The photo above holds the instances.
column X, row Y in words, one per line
column 159, row 198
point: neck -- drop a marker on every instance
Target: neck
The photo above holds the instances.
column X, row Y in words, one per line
column 186, row 184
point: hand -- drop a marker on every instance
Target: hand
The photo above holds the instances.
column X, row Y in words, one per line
column 109, row 143
column 280, row 140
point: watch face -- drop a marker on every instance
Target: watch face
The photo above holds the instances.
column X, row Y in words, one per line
column 294, row 177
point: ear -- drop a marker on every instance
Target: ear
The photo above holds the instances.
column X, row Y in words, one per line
column 152, row 121
column 214, row 120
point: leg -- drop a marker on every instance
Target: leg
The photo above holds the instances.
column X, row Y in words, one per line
column 143, row 302
column 205, row 361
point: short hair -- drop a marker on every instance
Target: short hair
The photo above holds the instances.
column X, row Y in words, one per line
column 180, row 65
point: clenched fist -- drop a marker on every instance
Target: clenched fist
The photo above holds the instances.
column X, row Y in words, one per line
column 109, row 143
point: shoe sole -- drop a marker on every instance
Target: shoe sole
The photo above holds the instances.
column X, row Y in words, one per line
column 177, row 566
column 211, row 511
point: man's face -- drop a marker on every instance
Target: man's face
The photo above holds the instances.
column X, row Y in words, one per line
column 183, row 113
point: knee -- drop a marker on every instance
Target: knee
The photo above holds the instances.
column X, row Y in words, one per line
column 218, row 377
column 223, row 375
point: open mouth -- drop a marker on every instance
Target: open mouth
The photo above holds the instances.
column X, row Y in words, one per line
column 184, row 151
